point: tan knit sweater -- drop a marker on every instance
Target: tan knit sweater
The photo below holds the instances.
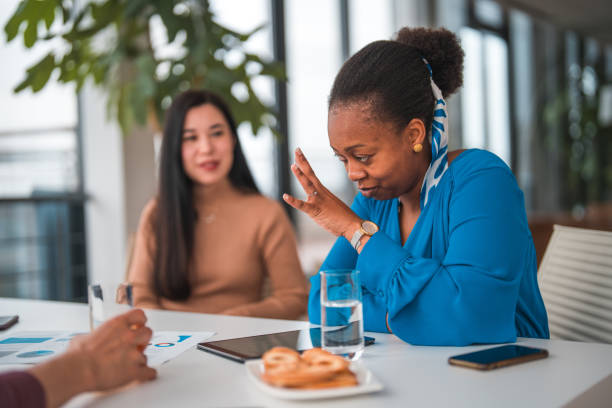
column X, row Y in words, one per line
column 240, row 239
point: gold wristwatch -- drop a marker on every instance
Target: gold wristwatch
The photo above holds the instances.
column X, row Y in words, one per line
column 366, row 228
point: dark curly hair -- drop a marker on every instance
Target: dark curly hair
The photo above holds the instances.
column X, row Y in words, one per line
column 391, row 77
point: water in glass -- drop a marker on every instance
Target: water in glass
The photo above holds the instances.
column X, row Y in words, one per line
column 341, row 312
column 342, row 327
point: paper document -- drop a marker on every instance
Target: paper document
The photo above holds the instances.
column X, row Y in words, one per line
column 166, row 345
column 32, row 347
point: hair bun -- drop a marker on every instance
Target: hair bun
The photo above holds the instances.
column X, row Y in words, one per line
column 442, row 50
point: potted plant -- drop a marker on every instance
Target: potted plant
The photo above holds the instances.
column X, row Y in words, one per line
column 116, row 44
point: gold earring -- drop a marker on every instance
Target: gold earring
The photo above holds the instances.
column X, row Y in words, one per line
column 417, row 147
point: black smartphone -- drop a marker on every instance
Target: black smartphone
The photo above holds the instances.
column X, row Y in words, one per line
column 496, row 357
column 8, row 321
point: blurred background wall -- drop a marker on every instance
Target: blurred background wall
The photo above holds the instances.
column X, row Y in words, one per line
column 537, row 92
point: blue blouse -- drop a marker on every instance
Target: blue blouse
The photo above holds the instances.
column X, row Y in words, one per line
column 466, row 274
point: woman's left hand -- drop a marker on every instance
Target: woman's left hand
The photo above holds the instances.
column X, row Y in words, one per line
column 322, row 206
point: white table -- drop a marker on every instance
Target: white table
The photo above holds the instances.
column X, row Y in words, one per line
column 412, row 376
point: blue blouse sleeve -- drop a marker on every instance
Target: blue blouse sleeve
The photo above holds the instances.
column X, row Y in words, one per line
column 341, row 256
column 470, row 295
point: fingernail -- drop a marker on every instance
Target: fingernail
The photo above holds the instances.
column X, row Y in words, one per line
column 299, row 151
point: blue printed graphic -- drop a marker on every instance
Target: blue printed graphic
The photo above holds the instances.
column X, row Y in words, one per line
column 18, row 340
column 439, row 143
column 164, row 345
column 37, row 353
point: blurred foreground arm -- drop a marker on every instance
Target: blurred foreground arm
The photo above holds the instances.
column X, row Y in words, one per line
column 107, row 358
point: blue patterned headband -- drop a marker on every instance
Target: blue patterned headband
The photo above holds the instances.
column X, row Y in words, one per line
column 439, row 143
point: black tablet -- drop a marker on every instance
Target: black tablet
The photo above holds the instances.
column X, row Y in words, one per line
column 252, row 347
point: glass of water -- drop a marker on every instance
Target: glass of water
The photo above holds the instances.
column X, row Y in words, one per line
column 107, row 300
column 341, row 313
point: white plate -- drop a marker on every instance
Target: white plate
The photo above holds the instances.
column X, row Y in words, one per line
column 367, row 383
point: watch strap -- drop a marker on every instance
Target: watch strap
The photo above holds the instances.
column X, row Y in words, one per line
column 357, row 237
column 361, row 231
column 358, row 244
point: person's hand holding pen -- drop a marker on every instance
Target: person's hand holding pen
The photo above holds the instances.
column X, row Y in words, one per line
column 321, row 205
column 108, row 357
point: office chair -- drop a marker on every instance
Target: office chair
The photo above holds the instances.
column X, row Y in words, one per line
column 575, row 279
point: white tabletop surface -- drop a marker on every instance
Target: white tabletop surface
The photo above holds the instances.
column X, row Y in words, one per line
column 412, row 376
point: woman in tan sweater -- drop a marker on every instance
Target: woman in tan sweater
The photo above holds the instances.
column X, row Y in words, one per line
column 208, row 240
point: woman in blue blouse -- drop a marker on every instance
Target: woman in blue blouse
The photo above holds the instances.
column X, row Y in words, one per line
column 440, row 238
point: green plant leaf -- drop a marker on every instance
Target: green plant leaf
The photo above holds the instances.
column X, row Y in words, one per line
column 30, row 12
column 99, row 71
column 38, row 74
column 11, row 28
column 139, row 107
column 125, row 63
column 242, row 37
column 65, row 12
column 30, row 35
column 172, row 22
column 105, row 12
column 134, row 8
column 274, row 69
column 22, row 85
column 124, row 112
column 221, row 77
column 47, row 12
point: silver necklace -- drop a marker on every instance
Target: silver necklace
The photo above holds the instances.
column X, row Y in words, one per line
column 210, row 215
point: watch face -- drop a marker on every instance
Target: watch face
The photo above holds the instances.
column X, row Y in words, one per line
column 369, row 227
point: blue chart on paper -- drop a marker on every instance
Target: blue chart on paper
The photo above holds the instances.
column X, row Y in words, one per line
column 36, row 353
column 18, row 340
column 181, row 338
